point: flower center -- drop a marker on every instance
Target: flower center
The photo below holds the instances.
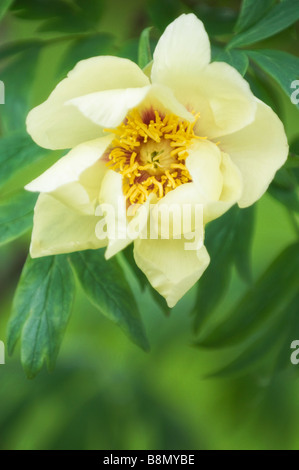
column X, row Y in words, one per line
column 150, row 151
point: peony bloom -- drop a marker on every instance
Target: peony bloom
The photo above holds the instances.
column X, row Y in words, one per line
column 182, row 132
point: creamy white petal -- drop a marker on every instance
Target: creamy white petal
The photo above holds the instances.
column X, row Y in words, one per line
column 258, row 150
column 221, row 96
column 203, row 163
column 109, row 108
column 179, row 212
column 59, row 229
column 69, row 168
column 183, row 49
column 170, row 268
column 54, row 125
column 231, row 192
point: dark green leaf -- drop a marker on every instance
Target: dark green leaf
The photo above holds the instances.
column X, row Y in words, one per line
column 4, row 6
column 244, row 230
column 16, row 214
column 144, row 48
column 162, row 12
column 18, row 77
column 16, row 152
column 269, row 295
column 107, row 288
column 254, row 354
column 280, row 17
column 14, row 47
column 281, row 66
column 70, row 15
column 237, row 59
column 212, row 285
column 251, row 12
column 41, row 310
column 218, row 21
column 285, row 189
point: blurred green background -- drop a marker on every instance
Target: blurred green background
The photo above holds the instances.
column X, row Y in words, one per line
column 105, row 393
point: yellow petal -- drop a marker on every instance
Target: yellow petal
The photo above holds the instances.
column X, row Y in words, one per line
column 58, row 229
column 170, row 268
column 203, row 163
column 109, row 108
column 221, row 96
column 183, row 49
column 54, row 125
column 258, row 150
column 69, row 168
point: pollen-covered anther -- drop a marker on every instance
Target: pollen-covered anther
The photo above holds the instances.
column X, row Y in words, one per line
column 150, row 151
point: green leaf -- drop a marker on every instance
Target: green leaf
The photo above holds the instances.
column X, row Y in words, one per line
column 4, row 7
column 41, row 311
column 254, row 354
column 144, row 48
column 285, row 189
column 18, row 77
column 107, row 288
column 15, row 47
column 237, row 59
column 16, row 215
column 228, row 240
column 281, row 66
column 244, row 231
column 251, row 12
column 280, row 17
column 83, row 48
column 212, row 285
column 17, row 151
column 269, row 295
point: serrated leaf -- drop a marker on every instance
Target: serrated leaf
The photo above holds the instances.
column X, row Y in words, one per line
column 280, row 17
column 4, row 7
column 16, row 215
column 237, row 59
column 251, row 12
column 107, row 288
column 281, row 66
column 17, row 151
column 271, row 293
column 144, row 48
column 41, row 311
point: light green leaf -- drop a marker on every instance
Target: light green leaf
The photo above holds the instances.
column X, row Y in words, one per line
column 235, row 58
column 4, row 6
column 251, row 12
column 107, row 288
column 144, row 48
column 269, row 295
column 17, row 151
column 41, row 311
column 16, row 215
column 281, row 66
column 280, row 17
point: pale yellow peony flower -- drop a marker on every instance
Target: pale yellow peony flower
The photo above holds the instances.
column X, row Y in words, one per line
column 184, row 131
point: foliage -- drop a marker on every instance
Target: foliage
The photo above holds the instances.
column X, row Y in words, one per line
column 44, row 296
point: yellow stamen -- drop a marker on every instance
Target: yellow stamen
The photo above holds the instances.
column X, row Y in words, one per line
column 151, row 155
